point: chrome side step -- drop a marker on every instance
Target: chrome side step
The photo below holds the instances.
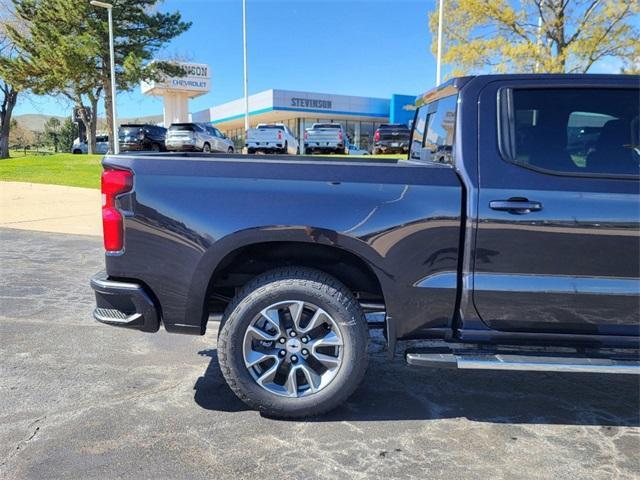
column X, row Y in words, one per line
column 523, row 362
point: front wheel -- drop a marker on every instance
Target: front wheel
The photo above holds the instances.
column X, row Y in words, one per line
column 230, row 150
column 206, row 148
column 293, row 343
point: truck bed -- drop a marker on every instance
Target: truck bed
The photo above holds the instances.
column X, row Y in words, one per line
column 188, row 213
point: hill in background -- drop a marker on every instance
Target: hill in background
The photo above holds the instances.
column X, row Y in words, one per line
column 35, row 121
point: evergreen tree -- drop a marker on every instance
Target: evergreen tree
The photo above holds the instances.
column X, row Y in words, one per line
column 65, row 50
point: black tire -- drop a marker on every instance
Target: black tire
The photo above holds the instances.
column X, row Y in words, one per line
column 77, row 152
column 285, row 149
column 155, row 147
column 376, row 151
column 304, row 284
column 206, row 148
column 230, row 150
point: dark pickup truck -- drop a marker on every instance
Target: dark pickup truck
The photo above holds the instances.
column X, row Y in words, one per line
column 391, row 138
column 492, row 238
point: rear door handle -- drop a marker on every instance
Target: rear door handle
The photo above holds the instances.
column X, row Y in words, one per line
column 518, row 207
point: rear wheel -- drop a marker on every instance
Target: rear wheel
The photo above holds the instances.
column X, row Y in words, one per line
column 155, row 147
column 230, row 150
column 293, row 343
column 206, row 148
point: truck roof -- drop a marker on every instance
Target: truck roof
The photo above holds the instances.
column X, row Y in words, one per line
column 454, row 85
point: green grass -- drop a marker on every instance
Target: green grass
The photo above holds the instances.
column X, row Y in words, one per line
column 69, row 169
column 56, row 169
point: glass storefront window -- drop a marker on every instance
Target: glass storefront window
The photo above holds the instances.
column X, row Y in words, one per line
column 366, row 135
column 350, row 127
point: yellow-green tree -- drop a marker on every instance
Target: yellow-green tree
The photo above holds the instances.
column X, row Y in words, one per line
column 519, row 36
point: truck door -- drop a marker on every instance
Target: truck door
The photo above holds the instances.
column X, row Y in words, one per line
column 558, row 232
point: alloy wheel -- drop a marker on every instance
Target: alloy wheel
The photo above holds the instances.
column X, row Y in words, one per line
column 293, row 348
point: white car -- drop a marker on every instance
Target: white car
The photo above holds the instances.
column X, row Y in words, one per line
column 197, row 137
column 81, row 147
column 355, row 150
column 274, row 138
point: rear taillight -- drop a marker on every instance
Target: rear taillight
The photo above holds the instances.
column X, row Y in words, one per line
column 306, row 135
column 114, row 182
column 340, row 136
column 279, row 135
column 376, row 136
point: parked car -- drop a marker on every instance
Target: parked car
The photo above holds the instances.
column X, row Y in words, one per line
column 491, row 240
column 197, row 137
column 142, row 138
column 80, row 146
column 325, row 138
column 355, row 150
column 391, row 138
column 271, row 138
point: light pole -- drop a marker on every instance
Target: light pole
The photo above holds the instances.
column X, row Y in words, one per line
column 112, row 61
column 246, row 74
column 439, row 54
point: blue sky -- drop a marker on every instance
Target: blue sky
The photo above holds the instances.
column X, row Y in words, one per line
column 358, row 47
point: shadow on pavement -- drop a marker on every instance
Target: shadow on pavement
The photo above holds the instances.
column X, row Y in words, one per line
column 393, row 391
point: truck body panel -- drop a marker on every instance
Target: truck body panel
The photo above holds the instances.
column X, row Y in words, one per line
column 185, row 215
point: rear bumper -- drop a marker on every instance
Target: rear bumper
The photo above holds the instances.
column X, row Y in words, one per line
column 124, row 304
column 390, row 145
column 264, row 145
column 131, row 147
column 181, row 147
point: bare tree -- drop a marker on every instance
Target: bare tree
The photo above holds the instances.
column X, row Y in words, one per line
column 8, row 91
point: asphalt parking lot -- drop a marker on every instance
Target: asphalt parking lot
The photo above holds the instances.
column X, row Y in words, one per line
column 83, row 400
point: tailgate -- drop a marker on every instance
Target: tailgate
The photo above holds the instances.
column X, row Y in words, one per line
column 323, row 135
column 394, row 136
column 264, row 135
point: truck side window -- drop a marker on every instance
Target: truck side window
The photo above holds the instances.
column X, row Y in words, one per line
column 433, row 134
column 417, row 137
column 440, row 129
column 583, row 131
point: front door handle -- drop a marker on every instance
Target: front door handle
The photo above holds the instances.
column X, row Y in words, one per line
column 516, row 206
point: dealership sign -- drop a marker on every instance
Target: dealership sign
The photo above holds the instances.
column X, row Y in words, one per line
column 196, row 81
column 176, row 91
column 311, row 103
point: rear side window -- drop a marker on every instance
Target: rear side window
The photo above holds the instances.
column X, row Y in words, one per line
column 579, row 131
column 433, row 134
column 417, row 138
column 183, row 127
column 271, row 127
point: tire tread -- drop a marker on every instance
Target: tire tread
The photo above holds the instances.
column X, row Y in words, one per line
column 270, row 282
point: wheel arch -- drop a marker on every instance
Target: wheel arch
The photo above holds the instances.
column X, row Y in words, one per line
column 224, row 270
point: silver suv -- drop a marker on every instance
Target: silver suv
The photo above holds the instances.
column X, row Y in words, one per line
column 196, row 137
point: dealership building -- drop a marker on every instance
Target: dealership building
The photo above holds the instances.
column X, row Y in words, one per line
column 360, row 116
